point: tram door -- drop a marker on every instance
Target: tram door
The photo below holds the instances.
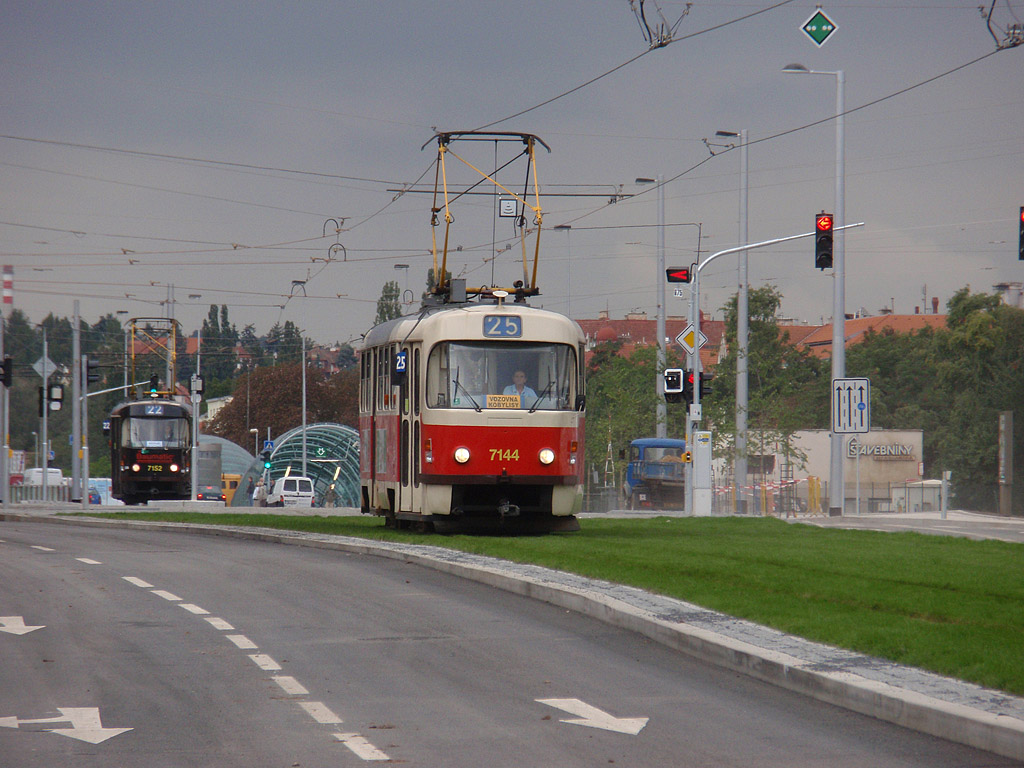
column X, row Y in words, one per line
column 409, row 432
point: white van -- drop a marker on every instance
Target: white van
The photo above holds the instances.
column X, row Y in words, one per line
column 293, row 491
column 34, row 476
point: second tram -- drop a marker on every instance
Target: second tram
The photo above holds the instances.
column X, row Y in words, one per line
column 150, row 450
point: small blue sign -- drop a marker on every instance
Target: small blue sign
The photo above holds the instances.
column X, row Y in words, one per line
column 268, row 445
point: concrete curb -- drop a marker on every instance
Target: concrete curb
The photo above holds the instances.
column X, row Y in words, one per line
column 970, row 715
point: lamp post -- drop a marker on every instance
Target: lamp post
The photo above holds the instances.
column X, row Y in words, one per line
column 742, row 331
column 405, row 269
column 661, row 412
column 35, row 448
column 836, row 485
column 567, row 228
column 255, row 441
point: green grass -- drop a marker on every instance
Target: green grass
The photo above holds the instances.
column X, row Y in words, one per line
column 945, row 604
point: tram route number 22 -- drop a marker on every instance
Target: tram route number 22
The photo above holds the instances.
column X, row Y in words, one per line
column 504, row 454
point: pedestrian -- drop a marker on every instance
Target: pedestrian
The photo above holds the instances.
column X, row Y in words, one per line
column 260, row 496
column 249, row 489
column 330, row 497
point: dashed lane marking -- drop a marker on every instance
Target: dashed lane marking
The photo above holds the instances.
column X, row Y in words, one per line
column 137, row 582
column 170, row 596
column 42, row 548
column 320, row 712
column 219, row 623
column 242, row 642
column 360, row 746
column 290, row 685
column 88, row 561
column 265, row 662
column 193, row 608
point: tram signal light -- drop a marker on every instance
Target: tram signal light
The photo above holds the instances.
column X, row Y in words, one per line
column 55, row 396
column 705, row 384
column 673, row 384
column 679, row 274
column 7, row 371
column 823, row 224
column 91, row 374
column 154, row 385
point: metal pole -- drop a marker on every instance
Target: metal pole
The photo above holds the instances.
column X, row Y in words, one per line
column 742, row 338
column 304, row 406
column 837, row 485
column 659, row 384
column 76, row 407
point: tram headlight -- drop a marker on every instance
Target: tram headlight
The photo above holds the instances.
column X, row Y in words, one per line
column 462, row 454
column 546, row 456
column 175, row 467
column 136, row 467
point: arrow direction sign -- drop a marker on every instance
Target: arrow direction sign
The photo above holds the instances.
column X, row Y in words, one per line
column 592, row 717
column 851, row 406
column 85, row 724
column 15, row 625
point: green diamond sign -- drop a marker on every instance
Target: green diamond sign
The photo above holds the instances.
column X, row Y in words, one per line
column 819, row 27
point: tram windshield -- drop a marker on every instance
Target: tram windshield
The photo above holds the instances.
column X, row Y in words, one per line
column 492, row 375
column 155, row 433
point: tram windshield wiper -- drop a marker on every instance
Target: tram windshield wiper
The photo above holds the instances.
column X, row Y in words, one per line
column 541, row 396
column 465, row 391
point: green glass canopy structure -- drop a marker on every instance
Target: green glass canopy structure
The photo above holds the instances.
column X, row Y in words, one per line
column 332, row 456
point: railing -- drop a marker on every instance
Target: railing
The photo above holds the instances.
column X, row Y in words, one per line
column 23, row 493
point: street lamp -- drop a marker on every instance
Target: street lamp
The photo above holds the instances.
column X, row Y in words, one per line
column 837, row 488
column 661, row 412
column 742, row 330
column 35, row 448
column 405, row 268
column 567, row 228
column 255, row 441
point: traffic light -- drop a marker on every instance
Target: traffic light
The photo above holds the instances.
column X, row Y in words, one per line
column 154, row 385
column 688, row 387
column 705, row 384
column 1020, row 243
column 55, row 396
column 673, row 384
column 92, row 375
column 823, row 223
column 7, row 371
column 679, row 274
column 266, row 459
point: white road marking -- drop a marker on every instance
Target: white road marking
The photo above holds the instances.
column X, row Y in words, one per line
column 242, row 642
column 15, row 625
column 166, row 595
column 360, row 746
column 193, row 608
column 290, row 685
column 43, row 549
column 85, row 724
column 264, row 662
column 319, row 712
column 137, row 582
column 88, row 561
column 219, row 623
column 592, row 717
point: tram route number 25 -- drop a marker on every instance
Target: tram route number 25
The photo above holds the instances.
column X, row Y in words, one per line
column 503, row 326
column 504, row 454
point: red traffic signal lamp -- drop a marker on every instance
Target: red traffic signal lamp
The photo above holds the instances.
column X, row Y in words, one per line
column 823, row 225
column 679, row 274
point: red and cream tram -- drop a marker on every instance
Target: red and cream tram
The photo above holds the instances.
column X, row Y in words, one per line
column 452, row 437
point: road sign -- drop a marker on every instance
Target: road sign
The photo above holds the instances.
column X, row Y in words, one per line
column 851, row 406
column 45, row 367
column 268, row 445
column 819, row 27
column 685, row 339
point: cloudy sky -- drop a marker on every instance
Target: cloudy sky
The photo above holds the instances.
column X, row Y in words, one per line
column 203, row 151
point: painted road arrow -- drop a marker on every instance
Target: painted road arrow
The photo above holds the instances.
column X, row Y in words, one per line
column 592, row 717
column 15, row 625
column 85, row 724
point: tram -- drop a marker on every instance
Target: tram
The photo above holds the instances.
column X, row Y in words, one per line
column 150, row 450
column 446, row 438
column 471, row 410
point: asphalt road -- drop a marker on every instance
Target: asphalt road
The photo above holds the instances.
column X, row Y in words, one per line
column 225, row 652
column 963, row 524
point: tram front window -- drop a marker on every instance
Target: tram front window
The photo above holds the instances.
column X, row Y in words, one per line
column 155, row 433
column 481, row 375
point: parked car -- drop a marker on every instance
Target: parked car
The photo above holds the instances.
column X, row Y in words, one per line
column 94, row 496
column 293, row 491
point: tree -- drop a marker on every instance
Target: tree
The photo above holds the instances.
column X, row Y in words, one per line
column 388, row 305
column 787, row 390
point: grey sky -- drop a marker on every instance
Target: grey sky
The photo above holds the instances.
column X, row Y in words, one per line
column 352, row 89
